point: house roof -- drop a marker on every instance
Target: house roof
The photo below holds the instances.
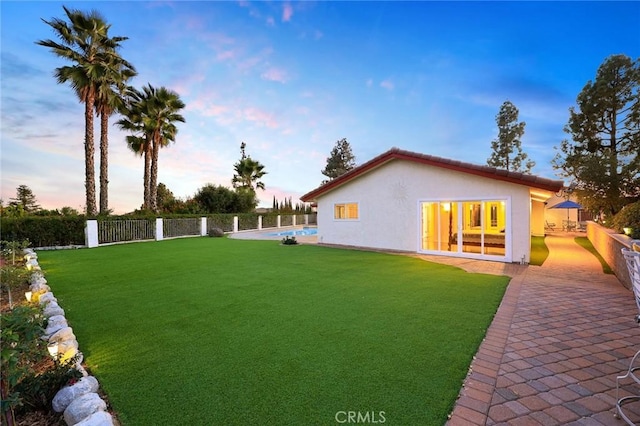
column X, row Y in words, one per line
column 458, row 166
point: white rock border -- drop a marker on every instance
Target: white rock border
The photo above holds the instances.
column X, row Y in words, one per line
column 80, row 402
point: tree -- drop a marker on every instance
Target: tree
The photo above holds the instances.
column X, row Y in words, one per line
column 25, row 199
column 165, row 199
column 248, row 172
column 507, row 148
column 603, row 155
column 151, row 115
column 220, row 199
column 340, row 161
column 84, row 42
column 109, row 98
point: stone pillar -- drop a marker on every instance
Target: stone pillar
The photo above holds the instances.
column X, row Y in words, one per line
column 306, row 219
column 278, row 222
column 259, row 223
column 159, row 230
column 91, row 233
column 235, row 224
column 294, row 219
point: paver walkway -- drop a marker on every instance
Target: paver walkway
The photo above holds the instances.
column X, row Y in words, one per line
column 562, row 334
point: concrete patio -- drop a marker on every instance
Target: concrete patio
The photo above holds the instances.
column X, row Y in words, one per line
column 562, row 334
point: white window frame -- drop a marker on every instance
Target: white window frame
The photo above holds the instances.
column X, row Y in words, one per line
column 508, row 227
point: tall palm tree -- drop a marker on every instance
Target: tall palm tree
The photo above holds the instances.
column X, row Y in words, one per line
column 83, row 41
column 110, row 91
column 248, row 174
column 152, row 114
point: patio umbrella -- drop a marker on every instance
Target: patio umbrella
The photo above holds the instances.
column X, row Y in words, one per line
column 568, row 204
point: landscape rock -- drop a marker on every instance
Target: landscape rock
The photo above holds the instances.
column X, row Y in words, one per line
column 39, row 288
column 99, row 418
column 65, row 333
column 67, row 394
column 54, row 324
column 37, row 277
column 31, row 263
column 47, row 297
column 67, row 349
column 52, row 309
column 83, row 407
column 216, row 232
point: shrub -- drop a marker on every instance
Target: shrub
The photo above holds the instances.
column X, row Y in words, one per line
column 45, row 231
column 37, row 390
column 628, row 217
column 216, row 232
column 289, row 241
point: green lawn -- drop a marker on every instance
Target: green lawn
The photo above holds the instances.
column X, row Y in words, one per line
column 205, row 331
column 539, row 251
column 585, row 243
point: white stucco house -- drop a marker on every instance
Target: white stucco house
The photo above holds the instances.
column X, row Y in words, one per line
column 412, row 202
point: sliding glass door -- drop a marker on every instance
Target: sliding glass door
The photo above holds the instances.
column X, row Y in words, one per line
column 467, row 226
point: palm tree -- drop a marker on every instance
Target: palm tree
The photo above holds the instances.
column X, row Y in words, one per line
column 110, row 90
column 152, row 114
column 84, row 42
column 248, row 172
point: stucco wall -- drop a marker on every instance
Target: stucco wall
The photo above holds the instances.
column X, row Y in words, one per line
column 609, row 244
column 537, row 218
column 388, row 200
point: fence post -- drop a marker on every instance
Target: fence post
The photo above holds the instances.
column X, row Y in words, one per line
column 294, row 219
column 159, row 232
column 260, row 223
column 278, row 222
column 91, row 233
column 203, row 226
column 235, row 224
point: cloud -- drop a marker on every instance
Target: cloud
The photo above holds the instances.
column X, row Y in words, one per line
column 287, row 12
column 260, row 117
column 387, row 84
column 275, row 74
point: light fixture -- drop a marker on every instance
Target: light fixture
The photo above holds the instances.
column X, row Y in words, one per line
column 53, row 349
column 446, row 206
column 627, row 230
column 28, row 296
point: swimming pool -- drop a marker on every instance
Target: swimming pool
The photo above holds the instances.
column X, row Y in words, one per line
column 295, row 232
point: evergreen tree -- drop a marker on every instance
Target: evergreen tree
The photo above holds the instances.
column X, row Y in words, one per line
column 25, row 199
column 603, row 155
column 507, row 148
column 340, row 161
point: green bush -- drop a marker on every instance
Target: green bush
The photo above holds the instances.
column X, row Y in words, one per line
column 30, row 379
column 45, row 231
column 37, row 390
column 628, row 217
column 289, row 241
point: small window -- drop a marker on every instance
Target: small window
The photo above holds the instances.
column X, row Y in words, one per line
column 345, row 211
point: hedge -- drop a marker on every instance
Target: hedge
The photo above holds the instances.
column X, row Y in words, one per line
column 44, row 231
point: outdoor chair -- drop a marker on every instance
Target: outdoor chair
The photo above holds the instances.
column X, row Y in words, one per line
column 632, row 259
column 549, row 226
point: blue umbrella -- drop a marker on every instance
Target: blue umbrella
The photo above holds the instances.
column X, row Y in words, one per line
column 568, row 204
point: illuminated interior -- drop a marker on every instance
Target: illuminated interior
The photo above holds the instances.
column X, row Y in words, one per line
column 475, row 226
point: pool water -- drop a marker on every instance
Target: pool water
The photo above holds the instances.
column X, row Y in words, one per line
column 295, row 232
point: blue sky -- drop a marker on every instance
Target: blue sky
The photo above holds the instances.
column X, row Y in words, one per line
column 292, row 78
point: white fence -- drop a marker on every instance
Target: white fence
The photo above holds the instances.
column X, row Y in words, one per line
column 99, row 232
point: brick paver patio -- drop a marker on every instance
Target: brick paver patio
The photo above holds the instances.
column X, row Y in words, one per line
column 562, row 334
